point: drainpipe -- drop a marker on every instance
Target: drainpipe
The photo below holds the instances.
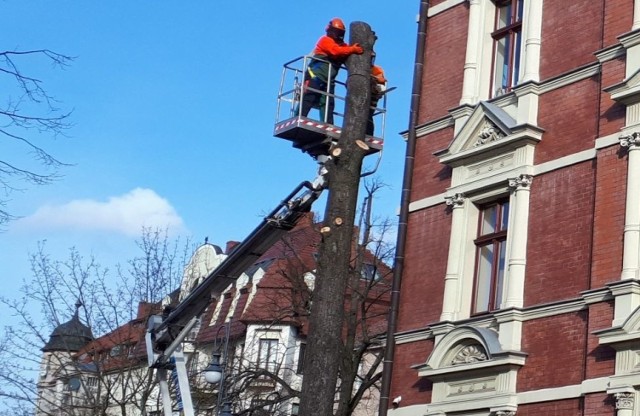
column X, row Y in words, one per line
column 387, row 368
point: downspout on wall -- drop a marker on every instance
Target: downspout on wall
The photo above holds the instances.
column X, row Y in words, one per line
column 405, row 199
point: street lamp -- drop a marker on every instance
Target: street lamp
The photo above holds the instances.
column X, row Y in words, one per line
column 214, row 373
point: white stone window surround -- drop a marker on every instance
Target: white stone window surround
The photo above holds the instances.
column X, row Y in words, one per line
column 471, row 371
column 461, row 262
column 491, row 158
column 478, row 71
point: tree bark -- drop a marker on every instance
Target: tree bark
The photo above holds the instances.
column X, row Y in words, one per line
column 324, row 346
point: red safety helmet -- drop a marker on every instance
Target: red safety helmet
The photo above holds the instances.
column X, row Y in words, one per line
column 336, row 23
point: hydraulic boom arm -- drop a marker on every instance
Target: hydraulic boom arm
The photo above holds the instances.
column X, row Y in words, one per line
column 165, row 333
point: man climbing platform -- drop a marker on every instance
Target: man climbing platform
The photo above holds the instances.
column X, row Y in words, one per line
column 331, row 51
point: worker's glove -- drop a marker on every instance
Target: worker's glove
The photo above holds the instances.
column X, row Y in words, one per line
column 356, row 48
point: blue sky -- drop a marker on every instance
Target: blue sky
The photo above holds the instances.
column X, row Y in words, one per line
column 173, row 110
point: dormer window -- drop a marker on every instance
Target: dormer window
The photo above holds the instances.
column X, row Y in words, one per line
column 116, row 351
column 369, row 272
column 507, row 38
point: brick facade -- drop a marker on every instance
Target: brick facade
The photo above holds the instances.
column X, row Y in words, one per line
column 554, row 349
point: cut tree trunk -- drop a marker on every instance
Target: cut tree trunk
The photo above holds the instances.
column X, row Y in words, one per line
column 324, row 344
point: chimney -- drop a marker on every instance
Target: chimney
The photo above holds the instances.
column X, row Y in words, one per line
column 230, row 246
column 145, row 309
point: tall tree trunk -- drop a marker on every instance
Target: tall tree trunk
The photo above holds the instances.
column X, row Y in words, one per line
column 324, row 345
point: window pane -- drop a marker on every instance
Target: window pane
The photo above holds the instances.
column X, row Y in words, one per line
column 506, row 70
column 504, row 215
column 504, row 16
column 520, row 5
column 500, row 275
column 483, row 279
column 516, row 61
column 489, row 220
column 303, row 348
column 500, row 67
column 273, row 356
column 369, row 272
column 262, row 354
column 267, row 354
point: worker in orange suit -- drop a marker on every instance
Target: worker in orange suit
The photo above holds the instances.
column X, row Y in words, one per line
column 331, row 51
column 378, row 88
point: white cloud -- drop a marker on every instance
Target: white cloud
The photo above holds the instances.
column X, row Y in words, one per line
column 125, row 214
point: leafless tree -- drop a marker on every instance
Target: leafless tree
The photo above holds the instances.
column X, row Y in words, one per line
column 109, row 372
column 28, row 114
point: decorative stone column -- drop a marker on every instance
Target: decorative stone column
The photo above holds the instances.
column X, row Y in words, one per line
column 631, row 250
column 456, row 251
column 470, row 74
column 517, row 241
column 636, row 15
column 624, row 403
column 505, row 413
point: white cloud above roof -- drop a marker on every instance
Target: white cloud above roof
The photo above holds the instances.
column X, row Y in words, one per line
column 126, row 214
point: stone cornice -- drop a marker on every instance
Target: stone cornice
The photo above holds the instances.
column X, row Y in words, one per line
column 432, row 126
column 444, row 6
column 509, row 358
column 627, row 91
column 427, row 202
column 576, row 75
column 594, row 385
column 610, row 53
column 528, row 87
column 585, row 155
column 596, row 296
column 630, row 39
column 421, row 334
column 624, row 287
column 506, row 315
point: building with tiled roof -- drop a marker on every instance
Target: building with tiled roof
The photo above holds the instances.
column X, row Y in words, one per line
column 262, row 317
column 265, row 315
column 82, row 373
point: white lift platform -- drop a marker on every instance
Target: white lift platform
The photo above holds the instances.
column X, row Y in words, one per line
column 313, row 135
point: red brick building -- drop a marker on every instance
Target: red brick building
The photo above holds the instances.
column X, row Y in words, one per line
column 527, row 167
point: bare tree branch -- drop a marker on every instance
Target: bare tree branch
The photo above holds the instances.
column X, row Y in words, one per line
column 28, row 113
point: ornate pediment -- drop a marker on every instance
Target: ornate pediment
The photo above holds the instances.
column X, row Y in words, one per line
column 470, row 371
column 489, row 148
column 486, row 124
column 469, row 354
column 489, row 132
column 626, row 92
column 625, row 340
column 621, row 336
column 464, row 345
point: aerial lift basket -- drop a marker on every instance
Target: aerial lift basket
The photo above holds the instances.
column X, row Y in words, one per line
column 312, row 134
